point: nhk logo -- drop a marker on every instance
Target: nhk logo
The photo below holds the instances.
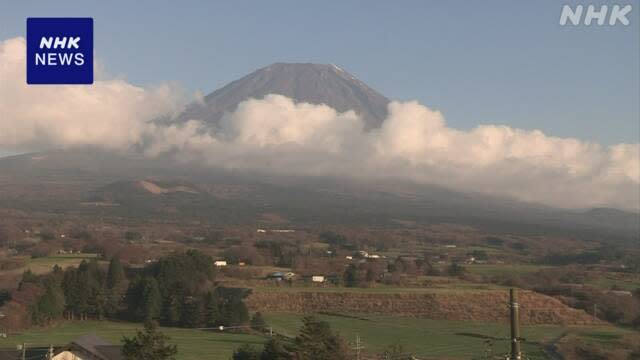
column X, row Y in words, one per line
column 55, row 58
column 59, row 51
column 618, row 14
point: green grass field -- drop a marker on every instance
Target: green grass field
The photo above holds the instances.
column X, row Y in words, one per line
column 503, row 269
column 43, row 265
column 437, row 338
column 422, row 337
column 192, row 344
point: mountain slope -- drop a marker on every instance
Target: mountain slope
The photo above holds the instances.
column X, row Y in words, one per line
column 311, row 83
column 70, row 182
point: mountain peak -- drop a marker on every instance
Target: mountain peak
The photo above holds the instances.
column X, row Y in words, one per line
column 312, row 83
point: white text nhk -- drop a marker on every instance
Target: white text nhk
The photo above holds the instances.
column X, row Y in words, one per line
column 59, row 58
column 617, row 15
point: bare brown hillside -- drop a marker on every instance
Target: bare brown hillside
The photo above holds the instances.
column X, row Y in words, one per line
column 489, row 306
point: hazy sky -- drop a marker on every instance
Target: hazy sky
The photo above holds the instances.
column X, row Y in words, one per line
column 498, row 62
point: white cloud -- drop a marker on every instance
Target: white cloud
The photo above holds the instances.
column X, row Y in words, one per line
column 109, row 113
column 277, row 135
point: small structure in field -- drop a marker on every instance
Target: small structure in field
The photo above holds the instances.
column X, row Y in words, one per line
column 318, row 279
column 278, row 276
column 220, row 263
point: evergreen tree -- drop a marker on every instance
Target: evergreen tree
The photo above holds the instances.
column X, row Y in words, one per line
column 92, row 280
column 211, row 309
column 233, row 310
column 316, row 341
column 258, row 323
column 171, row 312
column 115, row 284
column 49, row 306
column 75, row 293
column 115, row 274
column 28, row 277
column 143, row 299
column 351, row 276
column 149, row 344
column 151, row 300
column 192, row 312
column 274, row 350
column 246, row 352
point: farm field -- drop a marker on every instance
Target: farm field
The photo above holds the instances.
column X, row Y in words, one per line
column 43, row 265
column 192, row 344
column 629, row 282
column 383, row 289
column 503, row 269
column 437, row 338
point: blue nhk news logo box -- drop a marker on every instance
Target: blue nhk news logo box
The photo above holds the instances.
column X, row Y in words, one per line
column 59, row 51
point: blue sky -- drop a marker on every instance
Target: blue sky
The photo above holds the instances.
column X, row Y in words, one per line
column 498, row 62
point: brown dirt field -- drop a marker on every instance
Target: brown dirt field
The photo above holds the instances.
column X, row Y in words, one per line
column 483, row 306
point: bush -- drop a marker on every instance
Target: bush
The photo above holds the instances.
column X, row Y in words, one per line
column 455, row 269
column 246, row 352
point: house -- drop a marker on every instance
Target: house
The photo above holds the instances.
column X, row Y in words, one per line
column 86, row 347
column 220, row 263
column 317, row 279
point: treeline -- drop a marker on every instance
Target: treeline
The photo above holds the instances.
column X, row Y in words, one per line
column 177, row 290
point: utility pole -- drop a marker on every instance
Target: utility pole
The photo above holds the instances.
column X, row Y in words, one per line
column 24, row 351
column 515, row 326
column 50, row 355
column 358, row 347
